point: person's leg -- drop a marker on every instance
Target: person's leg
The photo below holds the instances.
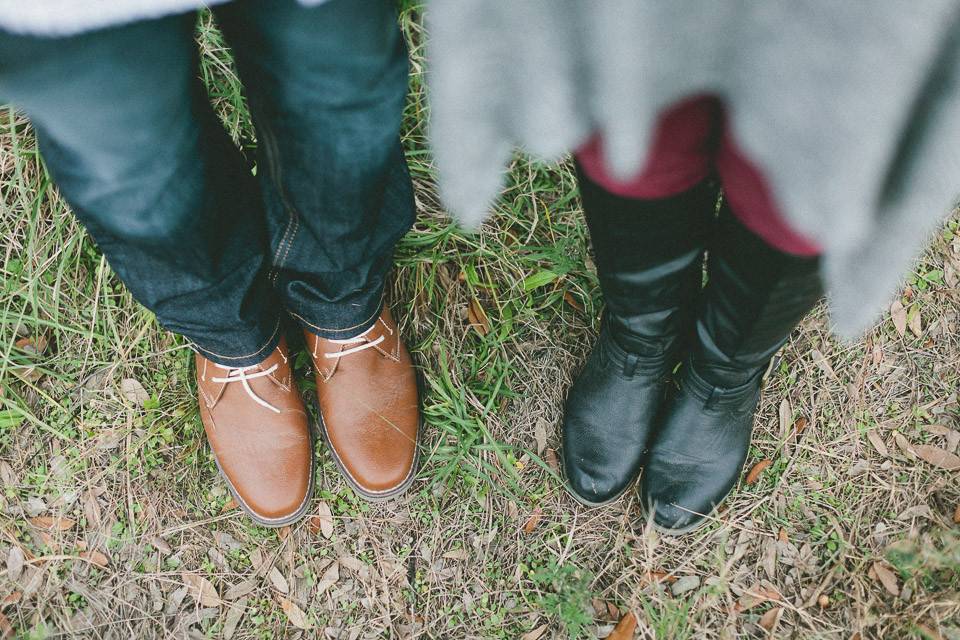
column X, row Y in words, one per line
column 648, row 235
column 326, row 87
column 763, row 278
column 125, row 128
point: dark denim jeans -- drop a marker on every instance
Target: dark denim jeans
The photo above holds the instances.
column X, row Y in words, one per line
column 127, row 132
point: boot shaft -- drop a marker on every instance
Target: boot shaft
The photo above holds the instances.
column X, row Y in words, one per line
column 649, row 256
column 754, row 298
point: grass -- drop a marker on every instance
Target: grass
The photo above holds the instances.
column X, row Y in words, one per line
column 454, row 559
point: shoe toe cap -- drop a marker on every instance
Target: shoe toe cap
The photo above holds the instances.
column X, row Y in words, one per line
column 675, row 518
column 593, row 488
column 673, row 507
column 270, row 496
column 383, row 476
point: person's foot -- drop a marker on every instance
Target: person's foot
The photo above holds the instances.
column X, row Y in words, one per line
column 369, row 407
column 649, row 257
column 258, row 429
column 698, row 452
column 754, row 297
column 608, row 418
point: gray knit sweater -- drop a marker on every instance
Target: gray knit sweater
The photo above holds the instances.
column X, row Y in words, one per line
column 851, row 109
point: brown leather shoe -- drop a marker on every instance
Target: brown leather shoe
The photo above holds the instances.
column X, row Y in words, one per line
column 369, row 407
column 258, row 429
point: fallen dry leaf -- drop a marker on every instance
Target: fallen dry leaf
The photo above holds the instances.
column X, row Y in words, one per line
column 329, row 578
column 161, row 545
column 456, row 554
column 478, row 317
column 283, row 532
column 552, row 461
column 15, row 562
column 886, row 577
column 533, row 521
column 279, row 582
column 234, row 614
column 913, row 321
column 47, row 540
column 325, row 520
column 6, row 629
column 928, row 633
column 877, row 443
column 201, row 589
column 132, row 390
column 952, row 436
column 33, row 347
column 613, row 611
column 570, row 300
column 536, row 634
column 599, row 608
column 937, row 457
column 757, row 469
column 800, row 425
column 899, row 316
column 950, row 275
column 53, row 523
column 754, row 596
column 770, row 619
column 11, row 598
column 230, row 505
column 821, row 361
column 650, row 577
column 786, row 416
column 294, row 614
column 95, row 557
column 877, row 355
column 625, row 628
column 239, row 590
column 956, row 515
column 540, row 435
column 904, row 445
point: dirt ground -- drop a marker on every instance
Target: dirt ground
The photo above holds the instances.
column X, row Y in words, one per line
column 115, row 524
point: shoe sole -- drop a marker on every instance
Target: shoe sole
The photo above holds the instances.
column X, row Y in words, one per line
column 393, row 492
column 282, row 521
column 704, row 521
column 589, row 503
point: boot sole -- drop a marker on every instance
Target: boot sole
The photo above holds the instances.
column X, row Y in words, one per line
column 282, row 521
column 589, row 503
column 366, row 494
column 704, row 521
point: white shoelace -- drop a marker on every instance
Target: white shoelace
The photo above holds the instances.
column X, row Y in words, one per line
column 240, row 374
column 354, row 340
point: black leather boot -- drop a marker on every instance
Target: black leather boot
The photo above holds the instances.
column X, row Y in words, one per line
column 649, row 256
column 755, row 296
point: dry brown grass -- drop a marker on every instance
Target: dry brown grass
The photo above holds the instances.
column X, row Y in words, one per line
column 452, row 559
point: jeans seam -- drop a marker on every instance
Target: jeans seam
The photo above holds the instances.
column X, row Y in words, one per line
column 293, row 219
column 318, row 328
column 249, row 355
